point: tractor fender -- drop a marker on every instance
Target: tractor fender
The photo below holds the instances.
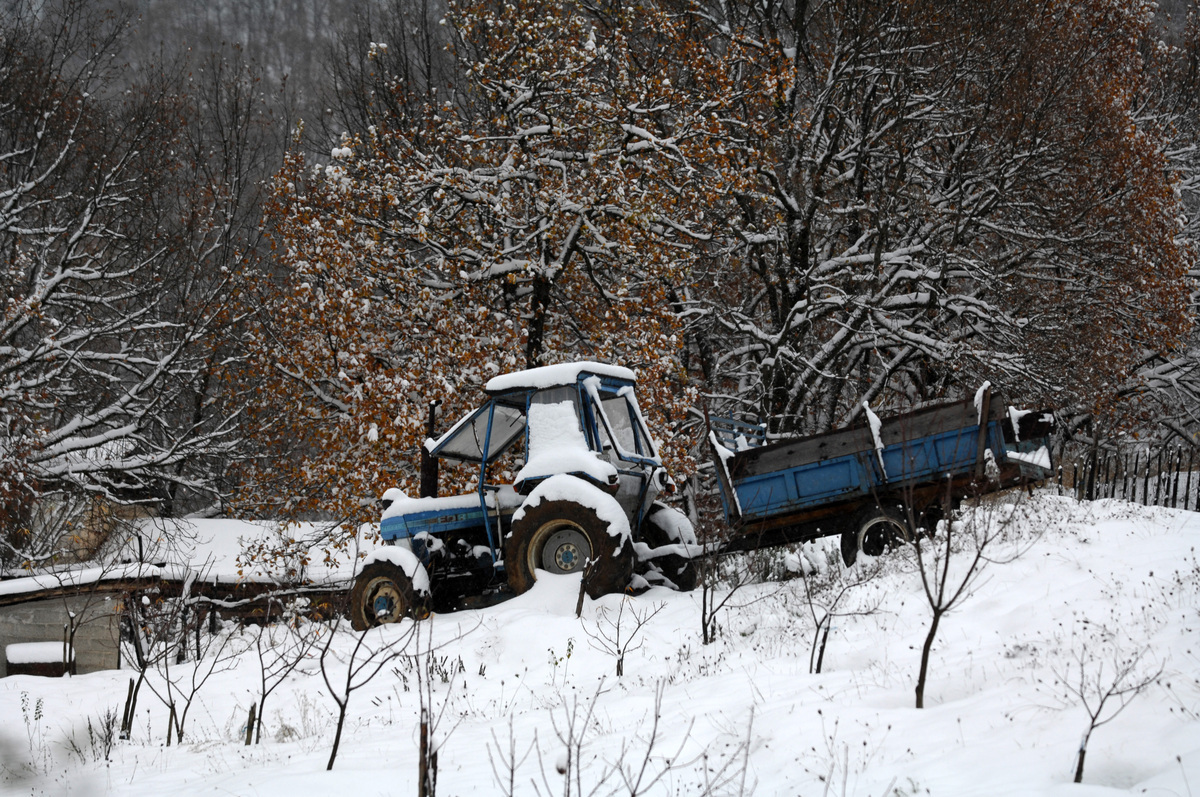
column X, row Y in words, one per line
column 564, row 487
column 404, row 559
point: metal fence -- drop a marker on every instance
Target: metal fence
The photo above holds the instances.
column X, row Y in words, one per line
column 1159, row 477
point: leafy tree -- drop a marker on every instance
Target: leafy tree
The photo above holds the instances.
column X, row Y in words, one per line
column 547, row 209
column 942, row 194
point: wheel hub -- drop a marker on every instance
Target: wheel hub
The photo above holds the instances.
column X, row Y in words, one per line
column 387, row 604
column 879, row 536
column 565, row 551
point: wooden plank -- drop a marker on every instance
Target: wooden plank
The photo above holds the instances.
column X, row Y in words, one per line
column 981, row 443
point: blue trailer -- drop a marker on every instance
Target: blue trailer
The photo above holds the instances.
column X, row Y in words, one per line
column 875, row 483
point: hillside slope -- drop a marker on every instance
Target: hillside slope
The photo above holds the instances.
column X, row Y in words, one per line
column 1093, row 584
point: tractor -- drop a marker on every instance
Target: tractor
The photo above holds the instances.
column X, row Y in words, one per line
column 569, row 481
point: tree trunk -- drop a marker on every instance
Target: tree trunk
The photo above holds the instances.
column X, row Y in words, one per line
column 1082, row 754
column 937, row 616
column 821, row 654
column 537, row 321
column 337, row 736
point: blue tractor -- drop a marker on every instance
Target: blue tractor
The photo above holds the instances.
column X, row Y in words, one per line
column 580, row 495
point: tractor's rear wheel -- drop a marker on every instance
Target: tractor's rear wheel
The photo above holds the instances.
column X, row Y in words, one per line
column 564, row 537
column 384, row 594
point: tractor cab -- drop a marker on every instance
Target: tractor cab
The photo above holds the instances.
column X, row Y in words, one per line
column 580, row 420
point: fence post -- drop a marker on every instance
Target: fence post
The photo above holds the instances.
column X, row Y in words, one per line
column 1092, row 466
column 250, row 724
column 1158, row 479
column 1187, row 490
column 1177, row 455
column 1146, row 482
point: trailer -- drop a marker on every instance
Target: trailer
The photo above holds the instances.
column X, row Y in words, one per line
column 876, row 483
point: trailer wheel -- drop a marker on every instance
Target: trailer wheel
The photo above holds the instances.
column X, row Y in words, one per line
column 384, row 594
column 562, row 536
column 876, row 531
column 661, row 528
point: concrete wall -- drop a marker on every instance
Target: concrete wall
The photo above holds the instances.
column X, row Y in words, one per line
column 96, row 641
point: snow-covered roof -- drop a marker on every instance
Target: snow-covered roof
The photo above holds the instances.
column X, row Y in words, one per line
column 215, row 550
column 554, row 376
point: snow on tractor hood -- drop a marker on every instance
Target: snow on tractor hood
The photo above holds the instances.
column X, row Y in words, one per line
column 557, row 445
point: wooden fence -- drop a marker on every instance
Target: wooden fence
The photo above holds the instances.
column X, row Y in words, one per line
column 1160, row 477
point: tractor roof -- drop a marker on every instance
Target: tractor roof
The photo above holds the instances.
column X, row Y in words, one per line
column 554, row 376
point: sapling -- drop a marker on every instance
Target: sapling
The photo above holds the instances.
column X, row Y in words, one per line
column 1105, row 678
column 433, row 715
column 951, row 565
column 719, row 578
column 157, row 627
column 373, row 649
column 281, row 647
column 614, row 636
column 827, row 583
column 640, row 768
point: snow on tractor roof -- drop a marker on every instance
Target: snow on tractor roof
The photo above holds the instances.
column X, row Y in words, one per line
column 555, row 376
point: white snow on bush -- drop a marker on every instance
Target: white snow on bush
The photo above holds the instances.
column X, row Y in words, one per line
column 577, row 491
column 404, row 559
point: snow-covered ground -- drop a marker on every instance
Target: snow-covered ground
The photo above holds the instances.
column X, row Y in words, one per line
column 1096, row 584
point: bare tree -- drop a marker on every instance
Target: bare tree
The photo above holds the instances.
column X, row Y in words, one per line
column 719, row 577
column 640, row 767
column 907, row 223
column 161, row 633
column 951, row 562
column 126, row 226
column 371, row 651
column 827, row 583
column 1104, row 677
column 608, row 635
column 281, row 647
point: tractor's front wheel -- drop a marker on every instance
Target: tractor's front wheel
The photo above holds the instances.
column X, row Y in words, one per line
column 384, row 594
column 666, row 526
column 564, row 537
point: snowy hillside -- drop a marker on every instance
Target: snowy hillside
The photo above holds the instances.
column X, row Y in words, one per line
column 1095, row 585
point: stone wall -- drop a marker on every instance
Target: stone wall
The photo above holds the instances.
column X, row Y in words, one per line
column 42, row 621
